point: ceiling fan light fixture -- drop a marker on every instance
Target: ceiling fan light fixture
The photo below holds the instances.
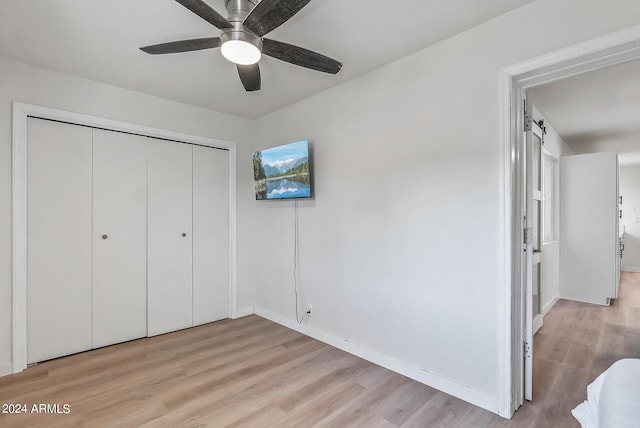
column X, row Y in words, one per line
column 241, row 52
column 241, row 47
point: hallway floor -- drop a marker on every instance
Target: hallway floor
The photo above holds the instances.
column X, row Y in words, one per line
column 577, row 342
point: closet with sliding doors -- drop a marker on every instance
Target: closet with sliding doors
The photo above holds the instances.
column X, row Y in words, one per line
column 127, row 237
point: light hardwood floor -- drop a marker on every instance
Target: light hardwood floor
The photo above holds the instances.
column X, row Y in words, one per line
column 254, row 373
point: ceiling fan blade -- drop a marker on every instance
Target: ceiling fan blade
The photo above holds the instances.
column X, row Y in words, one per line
column 270, row 14
column 300, row 56
column 183, row 46
column 250, row 76
column 206, row 12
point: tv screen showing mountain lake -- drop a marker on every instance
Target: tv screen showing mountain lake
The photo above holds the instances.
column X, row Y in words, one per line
column 282, row 172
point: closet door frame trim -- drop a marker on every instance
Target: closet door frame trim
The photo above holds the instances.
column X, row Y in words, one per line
column 21, row 112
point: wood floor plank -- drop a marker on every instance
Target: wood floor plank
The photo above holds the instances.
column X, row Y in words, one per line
column 266, row 416
column 361, row 409
column 442, row 410
column 310, row 390
column 405, row 400
column 546, row 372
column 375, row 421
column 552, row 346
column 321, row 406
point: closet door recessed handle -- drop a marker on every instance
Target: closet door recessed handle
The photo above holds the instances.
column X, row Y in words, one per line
column 104, row 236
column 184, row 234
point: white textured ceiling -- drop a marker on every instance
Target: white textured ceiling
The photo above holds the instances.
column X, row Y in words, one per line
column 596, row 111
column 99, row 40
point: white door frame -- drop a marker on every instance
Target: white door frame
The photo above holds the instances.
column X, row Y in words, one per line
column 21, row 112
column 612, row 49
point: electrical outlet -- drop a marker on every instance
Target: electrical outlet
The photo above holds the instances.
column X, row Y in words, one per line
column 308, row 310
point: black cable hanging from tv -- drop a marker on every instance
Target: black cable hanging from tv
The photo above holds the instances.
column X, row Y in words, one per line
column 295, row 262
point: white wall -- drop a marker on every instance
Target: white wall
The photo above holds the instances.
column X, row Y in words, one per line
column 399, row 250
column 31, row 85
column 555, row 147
column 630, row 191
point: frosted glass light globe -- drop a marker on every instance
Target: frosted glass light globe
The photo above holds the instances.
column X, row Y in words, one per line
column 240, row 52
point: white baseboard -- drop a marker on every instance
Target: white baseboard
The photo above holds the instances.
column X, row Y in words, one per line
column 537, row 323
column 550, row 305
column 450, row 387
column 6, row 369
column 245, row 312
column 630, row 269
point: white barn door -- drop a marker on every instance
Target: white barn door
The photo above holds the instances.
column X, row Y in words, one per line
column 532, row 254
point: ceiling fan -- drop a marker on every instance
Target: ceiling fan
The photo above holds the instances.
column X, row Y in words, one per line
column 242, row 41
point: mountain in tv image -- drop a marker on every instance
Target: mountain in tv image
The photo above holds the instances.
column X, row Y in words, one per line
column 283, row 172
column 284, row 167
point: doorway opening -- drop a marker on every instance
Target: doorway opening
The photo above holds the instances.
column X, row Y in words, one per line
column 617, row 48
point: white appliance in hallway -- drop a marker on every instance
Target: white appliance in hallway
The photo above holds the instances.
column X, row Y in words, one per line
column 589, row 253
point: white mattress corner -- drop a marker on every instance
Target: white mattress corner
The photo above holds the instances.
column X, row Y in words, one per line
column 613, row 398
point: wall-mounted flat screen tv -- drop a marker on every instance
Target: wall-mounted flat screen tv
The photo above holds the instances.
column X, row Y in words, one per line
column 283, row 172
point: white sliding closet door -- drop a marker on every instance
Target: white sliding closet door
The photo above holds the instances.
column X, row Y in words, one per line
column 169, row 254
column 58, row 240
column 210, row 235
column 119, row 237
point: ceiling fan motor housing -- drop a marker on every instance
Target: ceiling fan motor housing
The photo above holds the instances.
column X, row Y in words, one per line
column 238, row 11
column 241, row 35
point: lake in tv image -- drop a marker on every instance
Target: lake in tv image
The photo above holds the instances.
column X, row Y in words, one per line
column 282, row 172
